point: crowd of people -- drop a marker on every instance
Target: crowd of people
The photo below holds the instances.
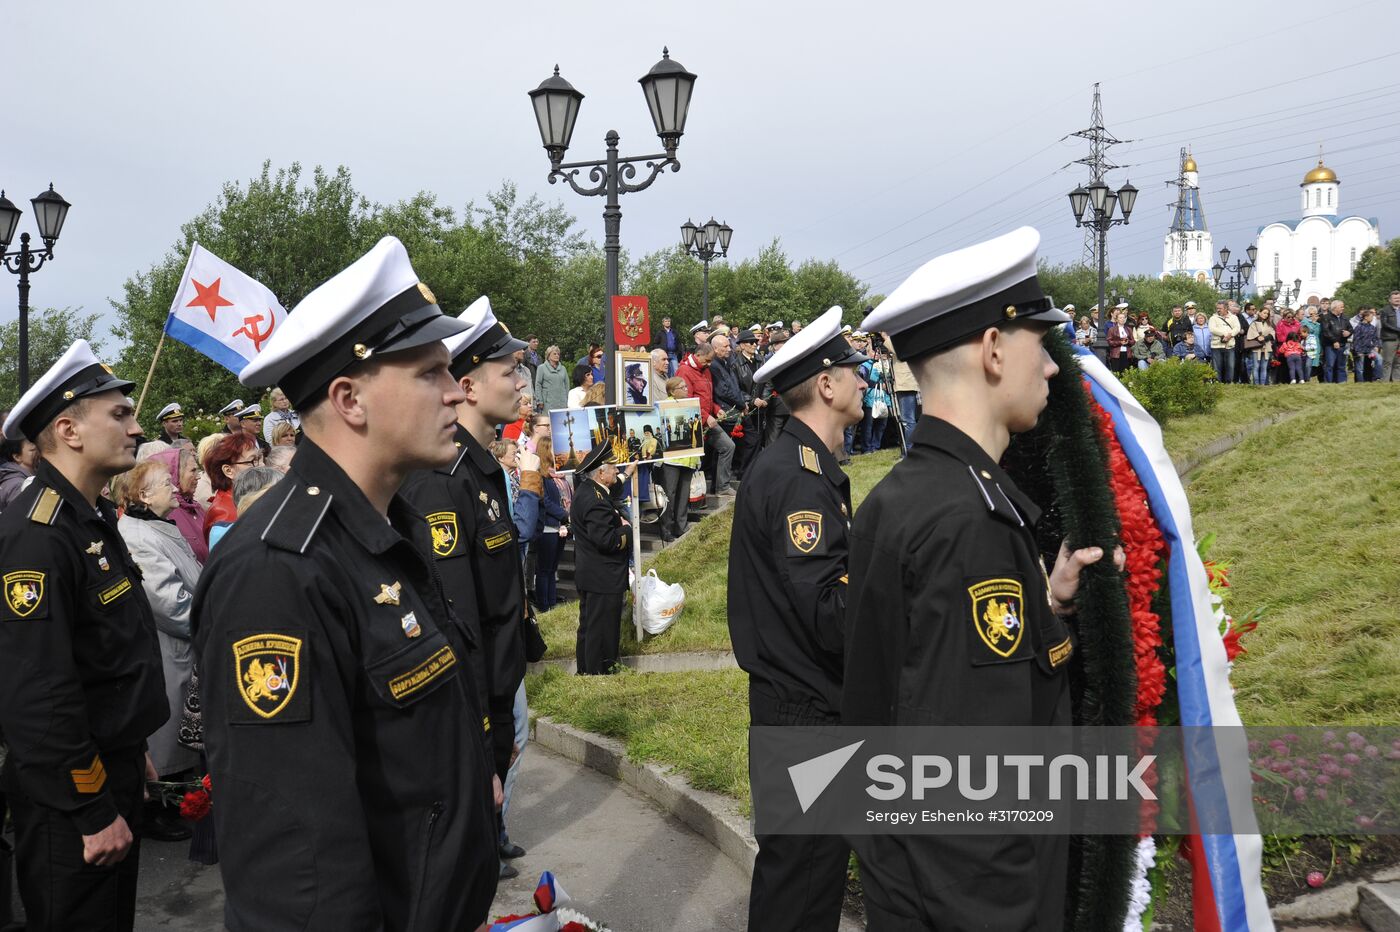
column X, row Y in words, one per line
column 1254, row 344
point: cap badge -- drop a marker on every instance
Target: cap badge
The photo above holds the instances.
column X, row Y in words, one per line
column 1011, row 312
column 106, row 368
column 362, row 351
column 427, row 293
column 411, row 628
column 68, row 396
column 826, row 360
column 388, row 594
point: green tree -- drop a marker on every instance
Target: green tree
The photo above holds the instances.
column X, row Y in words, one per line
column 818, row 285
column 51, row 332
column 1078, row 285
column 1376, row 275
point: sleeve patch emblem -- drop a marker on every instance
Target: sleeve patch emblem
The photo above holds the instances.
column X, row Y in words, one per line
column 24, row 591
column 805, row 530
column 443, row 524
column 267, row 668
column 998, row 614
column 406, row 684
column 90, row 781
column 1061, row 652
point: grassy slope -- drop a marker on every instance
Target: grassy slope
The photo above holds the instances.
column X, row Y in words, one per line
column 700, row 562
column 1327, row 650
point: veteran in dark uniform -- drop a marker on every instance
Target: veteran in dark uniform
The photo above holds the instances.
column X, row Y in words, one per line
column 787, row 599
column 81, row 685
column 602, row 550
column 351, row 778
column 467, row 505
column 953, row 619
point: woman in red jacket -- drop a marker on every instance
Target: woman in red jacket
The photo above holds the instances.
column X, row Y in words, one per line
column 1120, row 342
column 229, row 457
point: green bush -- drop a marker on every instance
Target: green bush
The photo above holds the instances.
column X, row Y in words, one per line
column 1174, row 389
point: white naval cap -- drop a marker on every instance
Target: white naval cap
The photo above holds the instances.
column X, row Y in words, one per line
column 252, row 411
column 755, row 328
column 1067, row 308
column 1121, row 306
column 77, row 374
column 960, row 294
column 233, row 407
column 1189, row 304
column 703, row 325
column 818, row 347
column 484, row 338
column 776, row 325
column 169, row 411
column 375, row 305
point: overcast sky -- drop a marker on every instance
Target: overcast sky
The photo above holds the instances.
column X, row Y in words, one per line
column 877, row 133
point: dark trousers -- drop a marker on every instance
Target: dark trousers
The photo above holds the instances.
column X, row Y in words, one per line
column 746, row 446
column 676, row 481
column 599, row 631
column 798, row 883
column 548, row 548
column 60, row 891
column 1334, row 364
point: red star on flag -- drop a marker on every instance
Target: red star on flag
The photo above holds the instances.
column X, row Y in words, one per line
column 209, row 297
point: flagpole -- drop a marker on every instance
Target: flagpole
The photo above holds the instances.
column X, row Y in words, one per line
column 149, row 373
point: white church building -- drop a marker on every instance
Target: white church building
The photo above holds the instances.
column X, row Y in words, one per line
column 1188, row 249
column 1321, row 248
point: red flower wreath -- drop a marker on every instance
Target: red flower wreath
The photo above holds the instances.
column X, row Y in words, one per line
column 1143, row 546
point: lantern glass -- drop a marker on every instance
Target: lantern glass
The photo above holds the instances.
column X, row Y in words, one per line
column 667, row 88
column 711, row 233
column 1078, row 201
column 9, row 220
column 1127, row 197
column 725, row 232
column 50, row 210
column 688, row 230
column 556, row 110
column 1216, row 271
column 1224, row 255
column 1098, row 192
column 1109, row 203
column 1252, row 252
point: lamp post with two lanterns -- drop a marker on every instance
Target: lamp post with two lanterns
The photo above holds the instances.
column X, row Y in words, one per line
column 50, row 210
column 1093, row 207
column 1239, row 272
column 1284, row 295
column 667, row 88
column 705, row 243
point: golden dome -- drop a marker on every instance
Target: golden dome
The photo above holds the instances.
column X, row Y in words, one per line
column 1321, row 173
column 1189, row 165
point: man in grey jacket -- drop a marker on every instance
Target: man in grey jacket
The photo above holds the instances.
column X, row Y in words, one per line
column 1390, row 338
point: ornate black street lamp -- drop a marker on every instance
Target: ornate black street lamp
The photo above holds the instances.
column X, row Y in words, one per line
column 705, row 243
column 1239, row 272
column 50, row 210
column 1093, row 207
column 667, row 87
column 1284, row 295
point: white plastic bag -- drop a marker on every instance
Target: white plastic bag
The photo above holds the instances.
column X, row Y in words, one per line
column 659, row 604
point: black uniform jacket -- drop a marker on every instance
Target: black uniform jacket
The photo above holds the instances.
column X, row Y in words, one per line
column 80, row 670
column 602, row 543
column 477, row 549
column 787, row 579
column 950, row 624
column 346, row 744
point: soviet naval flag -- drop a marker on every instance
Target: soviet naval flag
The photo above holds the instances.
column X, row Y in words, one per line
column 221, row 312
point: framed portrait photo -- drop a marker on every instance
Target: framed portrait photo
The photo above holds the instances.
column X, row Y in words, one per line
column 633, row 377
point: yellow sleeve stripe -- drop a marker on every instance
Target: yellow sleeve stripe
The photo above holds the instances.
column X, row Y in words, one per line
column 92, row 779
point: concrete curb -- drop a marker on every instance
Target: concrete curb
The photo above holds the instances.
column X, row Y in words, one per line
column 678, row 662
column 1340, row 902
column 1189, row 463
column 713, row 817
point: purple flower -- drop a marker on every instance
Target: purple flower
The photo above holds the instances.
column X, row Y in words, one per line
column 1331, row 768
column 1352, row 759
column 1329, row 735
column 1337, row 746
column 1322, row 779
column 1254, row 747
column 1291, row 739
column 1300, row 793
column 1372, row 751
column 1393, row 755
column 1345, row 774
column 1320, row 793
column 1365, row 821
column 1355, row 740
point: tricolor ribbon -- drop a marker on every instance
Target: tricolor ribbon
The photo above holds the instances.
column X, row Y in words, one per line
column 1218, row 777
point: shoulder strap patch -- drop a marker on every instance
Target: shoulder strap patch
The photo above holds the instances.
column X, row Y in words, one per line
column 296, row 520
column 809, row 459
column 45, row 508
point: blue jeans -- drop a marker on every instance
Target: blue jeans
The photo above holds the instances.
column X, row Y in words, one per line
column 908, row 404
column 849, row 440
column 520, row 712
column 1224, row 364
column 1295, row 368
column 872, row 432
column 1258, row 364
column 1334, row 364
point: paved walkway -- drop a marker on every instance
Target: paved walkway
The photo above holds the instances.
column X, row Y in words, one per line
column 625, row 863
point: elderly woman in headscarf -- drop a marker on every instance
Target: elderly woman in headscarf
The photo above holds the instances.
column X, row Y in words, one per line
column 183, row 465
